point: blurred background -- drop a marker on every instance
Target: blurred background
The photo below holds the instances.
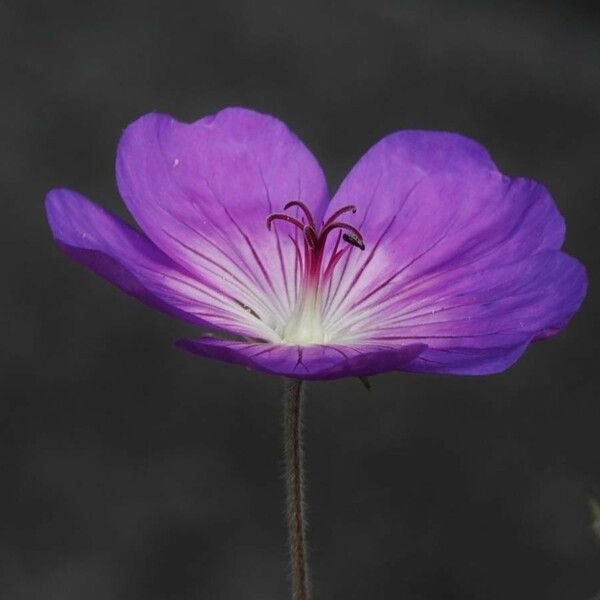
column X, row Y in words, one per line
column 133, row 471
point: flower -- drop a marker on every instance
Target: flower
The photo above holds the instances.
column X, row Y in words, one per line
column 426, row 259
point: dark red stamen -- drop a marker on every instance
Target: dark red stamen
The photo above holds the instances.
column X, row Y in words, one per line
column 280, row 216
column 355, row 232
column 304, row 209
column 311, row 237
column 314, row 239
column 338, row 213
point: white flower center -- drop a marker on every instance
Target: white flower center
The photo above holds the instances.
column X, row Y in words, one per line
column 305, row 325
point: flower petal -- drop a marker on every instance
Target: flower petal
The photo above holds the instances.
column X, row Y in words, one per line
column 447, row 227
column 308, row 362
column 108, row 246
column 418, row 211
column 202, row 193
column 457, row 256
column 484, row 322
column 385, row 176
column 478, row 322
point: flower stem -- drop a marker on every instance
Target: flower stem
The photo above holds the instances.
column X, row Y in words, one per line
column 294, row 473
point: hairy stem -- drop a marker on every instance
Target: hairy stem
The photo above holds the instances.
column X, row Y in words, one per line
column 294, row 472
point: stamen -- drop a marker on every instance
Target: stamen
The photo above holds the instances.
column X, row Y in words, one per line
column 311, row 237
column 304, row 209
column 280, row 216
column 340, row 212
column 311, row 261
column 355, row 239
column 313, row 266
column 335, row 258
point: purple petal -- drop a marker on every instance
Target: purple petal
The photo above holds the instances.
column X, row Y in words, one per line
column 308, row 362
column 492, row 355
column 385, row 176
column 457, row 256
column 108, row 246
column 202, row 193
column 483, row 323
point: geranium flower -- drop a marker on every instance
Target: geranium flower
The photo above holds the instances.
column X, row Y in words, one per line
column 426, row 259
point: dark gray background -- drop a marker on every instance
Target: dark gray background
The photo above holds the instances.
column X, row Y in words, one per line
column 132, row 471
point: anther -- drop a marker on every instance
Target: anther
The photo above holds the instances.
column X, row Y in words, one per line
column 354, row 233
column 353, row 240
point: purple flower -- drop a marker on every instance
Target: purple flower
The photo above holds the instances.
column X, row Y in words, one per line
column 426, row 259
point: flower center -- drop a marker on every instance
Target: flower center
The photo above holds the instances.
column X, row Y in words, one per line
column 305, row 323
